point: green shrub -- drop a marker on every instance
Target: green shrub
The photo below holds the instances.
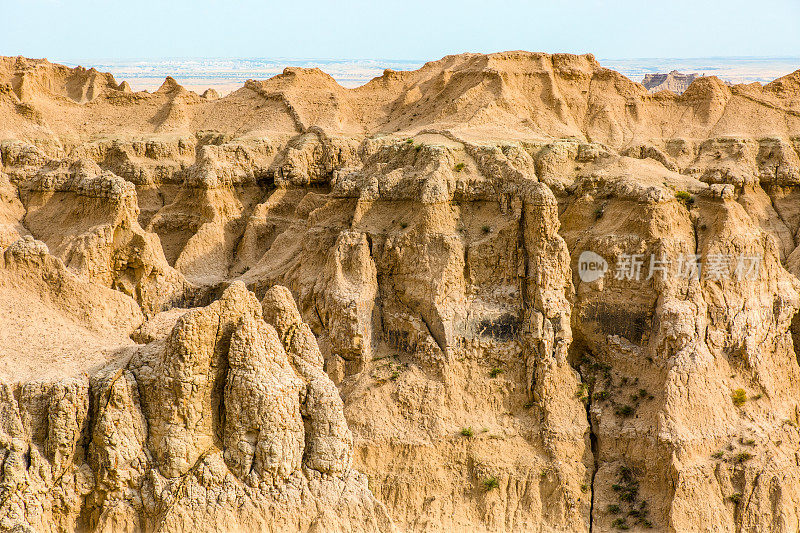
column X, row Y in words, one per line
column 409, row 141
column 584, row 488
column 404, row 225
column 459, row 167
column 495, row 372
column 486, row 229
column 736, row 497
column 490, row 483
column 598, row 213
column 685, row 198
column 717, row 455
column 613, row 509
column 739, row 397
column 467, row 432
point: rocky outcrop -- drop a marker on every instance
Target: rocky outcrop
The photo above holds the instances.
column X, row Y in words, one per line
column 304, row 307
column 208, row 428
column 674, row 81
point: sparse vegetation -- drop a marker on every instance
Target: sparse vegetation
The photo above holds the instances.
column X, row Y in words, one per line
column 490, row 483
column 584, row 488
column 459, row 167
column 496, row 371
column 486, row 229
column 599, row 212
column 409, row 141
column 624, row 410
column 736, row 497
column 717, row 455
column 685, row 198
column 582, row 392
column 601, row 395
column 467, row 432
column 528, row 404
column 739, row 397
column 627, row 489
column 741, row 457
column 620, row 523
column 404, row 225
column 394, row 375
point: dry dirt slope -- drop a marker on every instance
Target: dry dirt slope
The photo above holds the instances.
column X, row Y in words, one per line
column 305, row 307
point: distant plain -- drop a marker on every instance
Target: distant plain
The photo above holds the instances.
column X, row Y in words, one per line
column 228, row 74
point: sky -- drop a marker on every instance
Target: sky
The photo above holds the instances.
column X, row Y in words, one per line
column 66, row 31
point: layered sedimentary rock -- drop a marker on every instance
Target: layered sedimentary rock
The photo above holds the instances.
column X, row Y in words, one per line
column 304, row 307
column 674, row 81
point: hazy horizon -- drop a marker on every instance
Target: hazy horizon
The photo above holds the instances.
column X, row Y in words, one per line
column 227, row 74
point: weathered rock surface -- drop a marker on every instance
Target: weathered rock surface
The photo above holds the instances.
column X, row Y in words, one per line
column 674, row 81
column 308, row 308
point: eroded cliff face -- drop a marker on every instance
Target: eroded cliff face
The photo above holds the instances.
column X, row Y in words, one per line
column 303, row 307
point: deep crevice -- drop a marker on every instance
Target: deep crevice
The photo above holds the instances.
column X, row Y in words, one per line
column 578, row 352
column 595, row 461
column 522, row 265
column 593, row 445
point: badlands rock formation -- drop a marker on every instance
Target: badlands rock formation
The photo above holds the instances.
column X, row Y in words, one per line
column 308, row 308
column 674, row 81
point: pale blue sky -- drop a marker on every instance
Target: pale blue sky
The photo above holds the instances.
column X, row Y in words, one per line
column 65, row 30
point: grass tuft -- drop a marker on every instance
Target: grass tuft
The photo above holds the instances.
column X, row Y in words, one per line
column 739, row 397
column 741, row 457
